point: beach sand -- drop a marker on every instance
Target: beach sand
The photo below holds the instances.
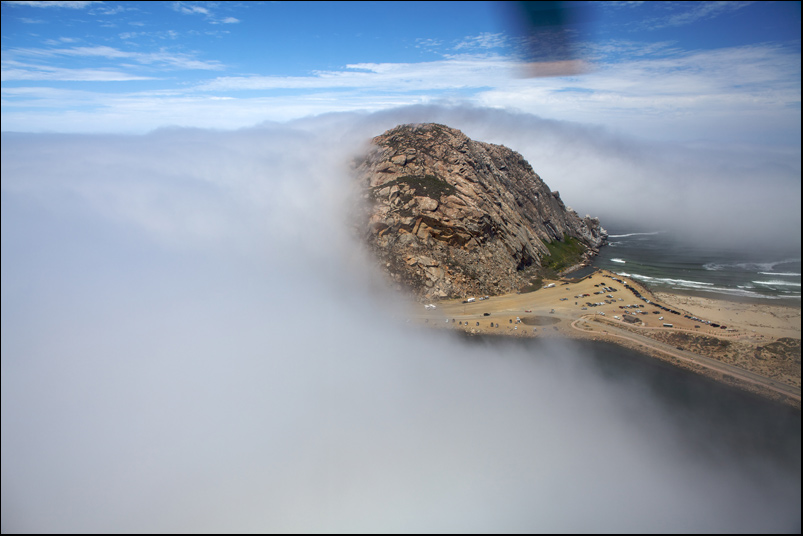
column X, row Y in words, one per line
column 752, row 345
column 766, row 321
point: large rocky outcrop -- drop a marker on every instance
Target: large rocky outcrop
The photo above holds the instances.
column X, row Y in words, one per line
column 448, row 216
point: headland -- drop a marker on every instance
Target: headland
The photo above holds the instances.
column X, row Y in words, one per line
column 753, row 346
column 471, row 230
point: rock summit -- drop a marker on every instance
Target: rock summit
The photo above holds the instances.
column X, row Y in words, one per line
column 449, row 217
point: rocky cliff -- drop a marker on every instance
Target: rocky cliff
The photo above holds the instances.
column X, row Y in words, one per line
column 449, row 217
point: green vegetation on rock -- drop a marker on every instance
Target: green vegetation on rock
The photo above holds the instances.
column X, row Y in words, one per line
column 562, row 254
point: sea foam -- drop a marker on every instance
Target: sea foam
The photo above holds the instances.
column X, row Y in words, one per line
column 634, row 234
column 777, row 283
column 669, row 281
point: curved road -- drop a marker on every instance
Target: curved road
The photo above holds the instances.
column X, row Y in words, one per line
column 691, row 357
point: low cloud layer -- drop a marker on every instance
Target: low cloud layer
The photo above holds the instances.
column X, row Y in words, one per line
column 192, row 341
column 736, row 196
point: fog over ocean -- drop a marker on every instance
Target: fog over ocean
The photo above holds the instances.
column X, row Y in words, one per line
column 192, row 340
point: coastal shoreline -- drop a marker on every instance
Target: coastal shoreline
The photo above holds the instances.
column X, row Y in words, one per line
column 780, row 301
column 754, row 346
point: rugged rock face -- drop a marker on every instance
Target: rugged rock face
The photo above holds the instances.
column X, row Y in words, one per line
column 451, row 217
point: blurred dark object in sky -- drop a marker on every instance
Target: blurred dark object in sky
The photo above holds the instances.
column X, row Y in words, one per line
column 549, row 36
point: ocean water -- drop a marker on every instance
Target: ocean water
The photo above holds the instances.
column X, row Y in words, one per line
column 663, row 262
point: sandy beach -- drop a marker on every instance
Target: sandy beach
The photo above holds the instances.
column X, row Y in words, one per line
column 764, row 321
column 755, row 346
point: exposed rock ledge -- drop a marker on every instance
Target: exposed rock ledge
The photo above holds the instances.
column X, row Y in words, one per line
column 448, row 216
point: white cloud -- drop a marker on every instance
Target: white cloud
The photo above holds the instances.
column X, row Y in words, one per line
column 53, row 3
column 45, row 97
column 457, row 72
column 598, row 172
column 194, row 9
column 102, row 10
column 722, row 94
column 20, row 71
column 428, row 43
column 692, row 12
column 747, row 90
column 57, row 110
column 61, row 40
column 167, row 34
column 485, row 40
column 174, row 60
column 613, row 50
column 190, row 9
column 193, row 341
column 740, row 94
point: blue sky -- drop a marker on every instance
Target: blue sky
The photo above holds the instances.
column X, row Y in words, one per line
column 722, row 72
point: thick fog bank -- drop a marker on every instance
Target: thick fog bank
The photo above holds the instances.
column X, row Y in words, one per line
column 723, row 195
column 192, row 341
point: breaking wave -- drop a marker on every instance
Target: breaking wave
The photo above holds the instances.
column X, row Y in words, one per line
column 634, row 234
column 668, row 281
column 702, row 286
column 748, row 294
column 678, row 266
column 777, row 283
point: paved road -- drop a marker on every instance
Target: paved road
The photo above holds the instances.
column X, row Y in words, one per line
column 690, row 357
